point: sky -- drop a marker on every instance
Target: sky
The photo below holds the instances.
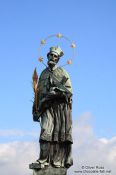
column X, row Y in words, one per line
column 91, row 25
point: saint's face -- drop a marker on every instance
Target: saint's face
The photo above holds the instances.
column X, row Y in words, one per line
column 52, row 59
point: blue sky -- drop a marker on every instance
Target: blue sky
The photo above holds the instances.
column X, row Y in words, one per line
column 91, row 25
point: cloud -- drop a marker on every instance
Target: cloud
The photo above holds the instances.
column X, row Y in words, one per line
column 15, row 157
column 88, row 150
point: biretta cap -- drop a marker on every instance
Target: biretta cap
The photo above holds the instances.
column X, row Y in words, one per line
column 56, row 51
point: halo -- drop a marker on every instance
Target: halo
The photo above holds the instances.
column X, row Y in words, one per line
column 60, row 36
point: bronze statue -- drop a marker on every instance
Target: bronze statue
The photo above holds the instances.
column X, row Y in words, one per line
column 53, row 107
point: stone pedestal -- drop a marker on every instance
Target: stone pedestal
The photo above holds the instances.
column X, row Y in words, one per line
column 48, row 171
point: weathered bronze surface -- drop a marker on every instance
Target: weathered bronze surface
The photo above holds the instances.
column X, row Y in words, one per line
column 54, row 110
column 50, row 171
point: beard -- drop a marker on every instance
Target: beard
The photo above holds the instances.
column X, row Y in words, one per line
column 52, row 63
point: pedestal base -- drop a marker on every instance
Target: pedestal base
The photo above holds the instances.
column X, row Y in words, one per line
column 50, row 171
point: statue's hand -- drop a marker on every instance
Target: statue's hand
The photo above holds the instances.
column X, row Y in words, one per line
column 51, row 95
column 36, row 116
column 60, row 93
column 52, row 90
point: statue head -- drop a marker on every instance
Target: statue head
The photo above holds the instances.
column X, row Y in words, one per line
column 54, row 55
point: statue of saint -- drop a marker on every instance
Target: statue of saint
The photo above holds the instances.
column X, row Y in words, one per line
column 54, row 108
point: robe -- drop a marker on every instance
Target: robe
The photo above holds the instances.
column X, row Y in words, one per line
column 55, row 108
